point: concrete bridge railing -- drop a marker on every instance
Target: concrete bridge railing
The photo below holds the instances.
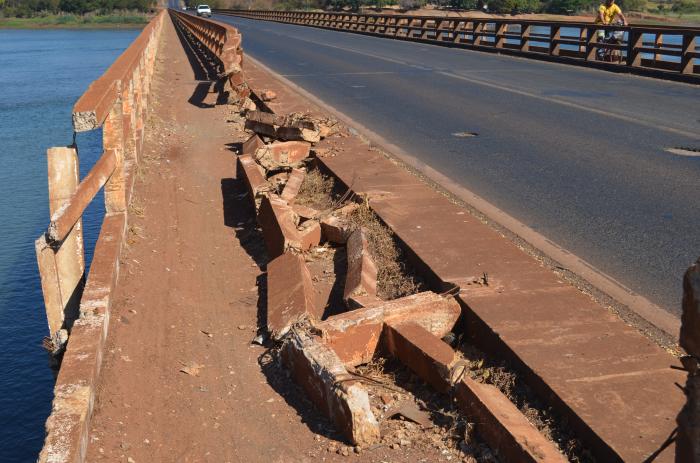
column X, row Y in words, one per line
column 221, row 44
column 116, row 102
column 655, row 51
column 78, row 311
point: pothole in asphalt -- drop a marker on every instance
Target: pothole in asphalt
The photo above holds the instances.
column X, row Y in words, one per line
column 684, row 151
column 465, row 134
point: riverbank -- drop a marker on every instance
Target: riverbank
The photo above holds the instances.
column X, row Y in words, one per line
column 69, row 21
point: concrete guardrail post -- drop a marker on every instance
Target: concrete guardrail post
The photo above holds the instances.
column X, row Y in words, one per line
column 113, row 140
column 61, row 266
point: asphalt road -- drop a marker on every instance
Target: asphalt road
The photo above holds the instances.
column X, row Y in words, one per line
column 576, row 154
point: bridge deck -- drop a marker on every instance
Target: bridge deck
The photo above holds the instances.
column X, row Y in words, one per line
column 188, row 296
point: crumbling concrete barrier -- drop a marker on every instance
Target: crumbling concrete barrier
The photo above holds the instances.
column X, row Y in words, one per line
column 355, row 335
column 291, row 188
column 282, row 127
column 319, row 353
column 502, row 425
column 361, row 277
column 497, row 419
column 255, row 179
column 421, row 351
column 290, row 294
column 318, row 370
column 279, row 224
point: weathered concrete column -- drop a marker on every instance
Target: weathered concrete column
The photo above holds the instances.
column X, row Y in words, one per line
column 688, row 440
column 113, row 141
column 61, row 268
column 128, row 119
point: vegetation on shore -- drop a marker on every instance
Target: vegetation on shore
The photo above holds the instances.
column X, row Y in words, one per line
column 116, row 19
column 670, row 8
column 74, row 13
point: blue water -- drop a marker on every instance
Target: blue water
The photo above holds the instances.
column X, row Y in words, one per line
column 42, row 73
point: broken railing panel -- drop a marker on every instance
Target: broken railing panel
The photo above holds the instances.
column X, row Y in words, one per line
column 63, row 220
column 333, row 390
column 355, row 335
column 61, row 268
column 78, row 316
column 115, row 101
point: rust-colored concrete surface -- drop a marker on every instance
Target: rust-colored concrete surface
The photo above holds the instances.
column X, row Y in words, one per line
column 290, row 293
column 424, row 353
column 517, row 439
column 616, row 383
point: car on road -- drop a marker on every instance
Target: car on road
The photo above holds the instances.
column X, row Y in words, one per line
column 204, row 10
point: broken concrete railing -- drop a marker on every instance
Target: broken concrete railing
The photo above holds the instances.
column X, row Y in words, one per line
column 499, row 421
column 289, row 128
column 116, row 102
column 78, row 312
column 331, row 387
column 223, row 44
column 322, row 354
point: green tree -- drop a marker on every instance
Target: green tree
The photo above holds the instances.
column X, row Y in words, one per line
column 685, row 6
column 411, row 4
column 464, row 4
column 565, row 6
column 632, row 5
column 508, row 6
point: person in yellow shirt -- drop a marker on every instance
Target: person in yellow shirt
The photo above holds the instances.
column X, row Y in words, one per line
column 609, row 13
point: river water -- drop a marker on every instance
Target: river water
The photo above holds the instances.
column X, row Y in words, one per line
column 42, row 73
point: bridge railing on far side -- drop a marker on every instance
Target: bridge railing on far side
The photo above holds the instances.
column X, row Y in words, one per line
column 655, row 51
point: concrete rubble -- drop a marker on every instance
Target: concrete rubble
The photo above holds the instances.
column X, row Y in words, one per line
column 319, row 353
column 290, row 294
column 361, row 279
column 333, row 390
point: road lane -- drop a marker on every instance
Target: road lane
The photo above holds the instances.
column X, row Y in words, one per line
column 574, row 153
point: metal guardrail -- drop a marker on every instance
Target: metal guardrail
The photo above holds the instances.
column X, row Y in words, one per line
column 657, row 51
column 116, row 102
